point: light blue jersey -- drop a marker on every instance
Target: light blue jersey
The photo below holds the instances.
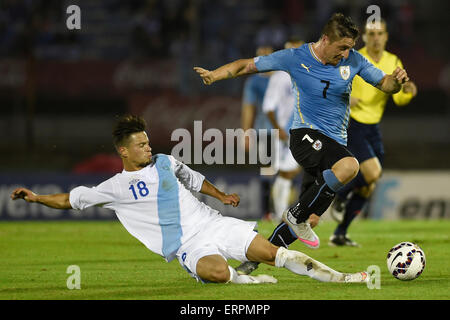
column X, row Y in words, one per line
column 322, row 92
column 254, row 89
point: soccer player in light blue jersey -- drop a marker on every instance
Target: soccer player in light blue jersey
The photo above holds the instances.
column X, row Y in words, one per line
column 322, row 74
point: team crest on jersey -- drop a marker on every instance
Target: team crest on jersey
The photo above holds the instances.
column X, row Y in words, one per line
column 345, row 72
column 134, row 181
column 317, row 145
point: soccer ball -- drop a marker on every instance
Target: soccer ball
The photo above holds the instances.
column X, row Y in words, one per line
column 406, row 261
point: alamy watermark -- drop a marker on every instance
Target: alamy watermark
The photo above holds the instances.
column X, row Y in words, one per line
column 189, row 149
column 374, row 20
column 374, row 274
column 74, row 280
column 73, row 21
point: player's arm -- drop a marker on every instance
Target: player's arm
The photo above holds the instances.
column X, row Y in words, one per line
column 404, row 96
column 56, row 201
column 231, row 70
column 392, row 83
column 209, row 189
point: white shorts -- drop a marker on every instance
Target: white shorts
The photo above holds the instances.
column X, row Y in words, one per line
column 226, row 236
column 286, row 161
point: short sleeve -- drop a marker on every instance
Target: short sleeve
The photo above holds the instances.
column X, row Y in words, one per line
column 83, row 197
column 191, row 179
column 275, row 61
column 368, row 71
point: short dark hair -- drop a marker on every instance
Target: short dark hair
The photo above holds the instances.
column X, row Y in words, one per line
column 340, row 26
column 125, row 126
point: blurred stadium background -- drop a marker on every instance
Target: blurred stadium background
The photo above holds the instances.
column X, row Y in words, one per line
column 60, row 90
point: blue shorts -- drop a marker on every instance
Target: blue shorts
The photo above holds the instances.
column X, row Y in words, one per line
column 364, row 141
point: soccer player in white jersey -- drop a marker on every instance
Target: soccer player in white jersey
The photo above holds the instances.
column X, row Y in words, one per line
column 152, row 199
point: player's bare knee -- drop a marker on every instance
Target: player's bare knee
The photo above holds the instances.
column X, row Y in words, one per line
column 346, row 169
column 219, row 273
column 352, row 167
column 372, row 176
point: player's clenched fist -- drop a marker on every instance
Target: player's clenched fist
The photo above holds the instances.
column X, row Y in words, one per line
column 400, row 75
column 22, row 193
column 232, row 199
column 206, row 75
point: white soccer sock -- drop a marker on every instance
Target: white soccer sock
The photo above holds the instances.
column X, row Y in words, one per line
column 237, row 278
column 302, row 264
column 245, row 279
column 280, row 193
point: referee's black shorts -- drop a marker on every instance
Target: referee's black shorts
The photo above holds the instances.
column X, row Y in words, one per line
column 314, row 151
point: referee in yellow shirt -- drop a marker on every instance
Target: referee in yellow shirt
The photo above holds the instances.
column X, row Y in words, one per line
column 367, row 105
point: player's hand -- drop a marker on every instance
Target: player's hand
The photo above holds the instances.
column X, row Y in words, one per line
column 410, row 87
column 206, row 75
column 313, row 220
column 400, row 75
column 23, row 193
column 232, row 199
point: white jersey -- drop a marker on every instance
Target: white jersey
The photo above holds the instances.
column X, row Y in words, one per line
column 279, row 98
column 154, row 204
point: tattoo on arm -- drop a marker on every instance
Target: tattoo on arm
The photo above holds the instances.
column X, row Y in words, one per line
column 229, row 75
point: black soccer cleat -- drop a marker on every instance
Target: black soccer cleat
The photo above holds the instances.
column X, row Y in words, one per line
column 247, row 267
column 342, row 240
column 337, row 209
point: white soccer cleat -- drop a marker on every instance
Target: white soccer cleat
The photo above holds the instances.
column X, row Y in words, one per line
column 303, row 230
column 359, row 277
column 263, row 278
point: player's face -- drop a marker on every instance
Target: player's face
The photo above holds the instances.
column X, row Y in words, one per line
column 337, row 50
column 139, row 152
column 376, row 38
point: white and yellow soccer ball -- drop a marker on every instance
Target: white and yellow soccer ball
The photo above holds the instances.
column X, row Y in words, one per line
column 406, row 261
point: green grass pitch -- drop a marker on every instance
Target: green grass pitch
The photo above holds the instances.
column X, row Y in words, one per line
column 114, row 265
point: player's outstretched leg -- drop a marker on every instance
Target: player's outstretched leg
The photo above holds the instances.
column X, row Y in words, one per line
column 263, row 251
column 214, row 268
column 302, row 264
column 282, row 236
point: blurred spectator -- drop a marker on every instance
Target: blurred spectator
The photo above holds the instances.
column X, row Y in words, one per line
column 147, row 36
column 274, row 33
column 100, row 163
